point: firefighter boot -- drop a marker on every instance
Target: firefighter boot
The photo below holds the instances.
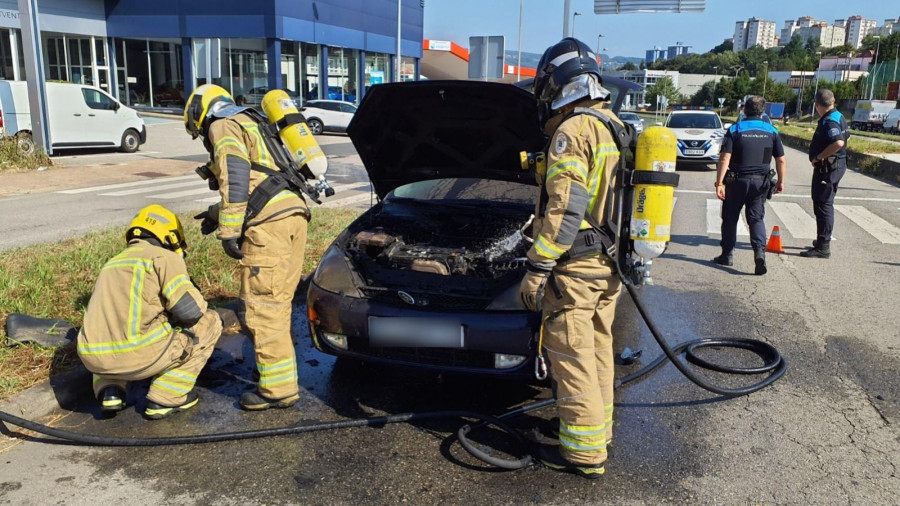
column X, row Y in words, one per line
column 252, row 401
column 759, row 256
column 549, row 456
column 157, row 411
column 112, row 399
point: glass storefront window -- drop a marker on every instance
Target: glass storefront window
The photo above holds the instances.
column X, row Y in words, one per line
column 150, row 73
column 342, row 74
column 7, row 60
column 407, row 69
column 309, row 71
column 377, row 70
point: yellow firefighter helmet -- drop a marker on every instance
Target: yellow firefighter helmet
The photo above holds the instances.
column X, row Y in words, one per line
column 200, row 105
column 157, row 222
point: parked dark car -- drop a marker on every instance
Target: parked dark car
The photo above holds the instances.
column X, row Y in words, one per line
column 429, row 276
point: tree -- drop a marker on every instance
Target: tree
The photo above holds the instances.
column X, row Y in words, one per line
column 643, row 65
column 727, row 46
column 813, row 45
column 664, row 87
column 704, row 96
column 628, row 66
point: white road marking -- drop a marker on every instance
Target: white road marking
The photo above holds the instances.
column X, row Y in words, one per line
column 787, row 195
column 360, row 186
column 186, row 193
column 796, row 221
column 714, row 219
column 148, row 189
column 871, row 223
column 127, row 185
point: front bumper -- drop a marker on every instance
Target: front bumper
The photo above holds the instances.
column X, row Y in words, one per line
column 693, row 151
column 485, row 335
column 143, row 134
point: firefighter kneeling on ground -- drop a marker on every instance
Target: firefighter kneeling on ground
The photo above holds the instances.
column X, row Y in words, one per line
column 570, row 278
column 270, row 245
column 146, row 319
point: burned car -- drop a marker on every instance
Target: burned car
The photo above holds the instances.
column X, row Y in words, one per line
column 429, row 276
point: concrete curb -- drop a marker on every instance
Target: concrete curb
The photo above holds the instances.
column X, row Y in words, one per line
column 45, row 398
column 871, row 165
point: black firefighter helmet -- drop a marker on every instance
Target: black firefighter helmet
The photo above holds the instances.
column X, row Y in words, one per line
column 567, row 72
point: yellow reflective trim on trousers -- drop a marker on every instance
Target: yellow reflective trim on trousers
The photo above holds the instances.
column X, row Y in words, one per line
column 546, row 248
column 231, row 141
column 231, row 219
column 265, row 381
column 124, row 346
column 567, row 163
column 173, row 286
column 582, row 430
column 179, row 375
column 281, row 364
column 168, row 386
column 580, row 446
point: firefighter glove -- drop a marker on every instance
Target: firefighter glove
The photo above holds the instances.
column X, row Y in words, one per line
column 209, row 223
column 531, row 291
column 232, row 248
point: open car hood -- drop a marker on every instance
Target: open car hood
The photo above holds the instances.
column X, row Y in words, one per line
column 416, row 131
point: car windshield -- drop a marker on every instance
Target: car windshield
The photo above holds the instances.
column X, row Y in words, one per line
column 764, row 117
column 628, row 116
column 467, row 189
column 690, row 120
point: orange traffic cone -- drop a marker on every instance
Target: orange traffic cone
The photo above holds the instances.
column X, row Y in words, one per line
column 774, row 245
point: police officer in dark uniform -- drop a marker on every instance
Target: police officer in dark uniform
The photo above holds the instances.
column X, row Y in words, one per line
column 743, row 180
column 828, row 155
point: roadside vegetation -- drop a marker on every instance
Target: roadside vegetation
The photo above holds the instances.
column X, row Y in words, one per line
column 56, row 280
column 14, row 159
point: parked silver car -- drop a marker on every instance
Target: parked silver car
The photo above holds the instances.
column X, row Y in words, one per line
column 633, row 120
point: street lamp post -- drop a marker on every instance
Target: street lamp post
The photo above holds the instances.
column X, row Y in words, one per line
column 715, row 83
column 519, row 64
column 574, row 15
column 872, row 74
column 598, row 43
column 896, row 54
column 765, row 78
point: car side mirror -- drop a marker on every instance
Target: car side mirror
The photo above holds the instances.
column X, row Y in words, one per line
column 116, row 106
column 726, row 126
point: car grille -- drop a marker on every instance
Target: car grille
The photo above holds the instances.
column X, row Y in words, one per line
column 446, row 357
column 430, row 300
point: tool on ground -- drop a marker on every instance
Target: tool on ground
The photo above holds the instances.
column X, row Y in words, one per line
column 774, row 245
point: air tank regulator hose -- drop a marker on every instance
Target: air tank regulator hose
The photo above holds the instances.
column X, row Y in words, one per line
column 773, row 364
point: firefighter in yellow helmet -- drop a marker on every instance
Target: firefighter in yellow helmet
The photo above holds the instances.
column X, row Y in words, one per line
column 146, row 319
column 269, row 245
column 570, row 279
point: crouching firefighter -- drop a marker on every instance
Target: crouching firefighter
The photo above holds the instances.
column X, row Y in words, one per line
column 146, row 319
column 571, row 278
column 262, row 222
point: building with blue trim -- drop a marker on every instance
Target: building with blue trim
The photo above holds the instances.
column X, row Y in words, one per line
column 153, row 53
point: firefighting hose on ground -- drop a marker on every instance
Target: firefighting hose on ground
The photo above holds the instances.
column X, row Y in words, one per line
column 642, row 214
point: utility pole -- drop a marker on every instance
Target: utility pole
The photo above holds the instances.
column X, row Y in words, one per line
column 519, row 64
column 715, row 84
column 567, row 6
column 817, row 84
column 765, row 78
column 399, row 31
column 872, row 74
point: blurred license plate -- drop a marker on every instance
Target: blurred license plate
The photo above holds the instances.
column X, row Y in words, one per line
column 415, row 332
column 694, row 152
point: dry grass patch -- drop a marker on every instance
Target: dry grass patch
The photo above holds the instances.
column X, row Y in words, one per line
column 13, row 160
column 56, row 280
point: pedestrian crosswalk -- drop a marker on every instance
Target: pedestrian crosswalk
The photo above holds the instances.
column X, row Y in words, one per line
column 195, row 189
column 792, row 213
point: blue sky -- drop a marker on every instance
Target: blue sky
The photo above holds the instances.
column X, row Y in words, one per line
column 632, row 34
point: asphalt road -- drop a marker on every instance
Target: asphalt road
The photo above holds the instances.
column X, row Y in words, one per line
column 71, row 212
column 826, row 433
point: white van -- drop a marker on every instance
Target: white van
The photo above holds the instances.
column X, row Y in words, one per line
column 892, row 122
column 80, row 117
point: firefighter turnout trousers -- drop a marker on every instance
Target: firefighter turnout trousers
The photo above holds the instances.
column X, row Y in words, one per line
column 579, row 305
column 175, row 371
column 270, row 272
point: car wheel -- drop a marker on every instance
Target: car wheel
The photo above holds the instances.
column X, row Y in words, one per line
column 316, row 126
column 25, row 143
column 131, row 141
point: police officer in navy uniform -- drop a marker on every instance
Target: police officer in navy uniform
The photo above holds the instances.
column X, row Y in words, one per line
column 743, row 180
column 828, row 155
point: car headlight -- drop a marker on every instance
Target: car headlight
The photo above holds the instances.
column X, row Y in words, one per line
column 335, row 274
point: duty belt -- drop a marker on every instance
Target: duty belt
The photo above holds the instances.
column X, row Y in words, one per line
column 751, row 176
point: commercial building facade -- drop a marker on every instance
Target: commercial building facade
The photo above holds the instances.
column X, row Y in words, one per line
column 152, row 54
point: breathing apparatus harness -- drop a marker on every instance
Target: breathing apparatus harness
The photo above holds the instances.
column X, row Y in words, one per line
column 619, row 246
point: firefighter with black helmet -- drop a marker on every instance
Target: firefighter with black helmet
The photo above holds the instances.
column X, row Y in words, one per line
column 146, row 319
column 570, row 278
column 266, row 235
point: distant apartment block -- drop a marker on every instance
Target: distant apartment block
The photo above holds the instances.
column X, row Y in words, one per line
column 655, row 54
column 827, row 35
column 791, row 26
column 857, row 29
column 890, row 26
column 677, row 50
column 754, row 32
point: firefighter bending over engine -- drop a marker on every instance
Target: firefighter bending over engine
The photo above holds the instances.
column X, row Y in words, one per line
column 570, row 278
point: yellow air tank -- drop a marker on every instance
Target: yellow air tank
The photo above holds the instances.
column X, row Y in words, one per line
column 294, row 133
column 651, row 220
